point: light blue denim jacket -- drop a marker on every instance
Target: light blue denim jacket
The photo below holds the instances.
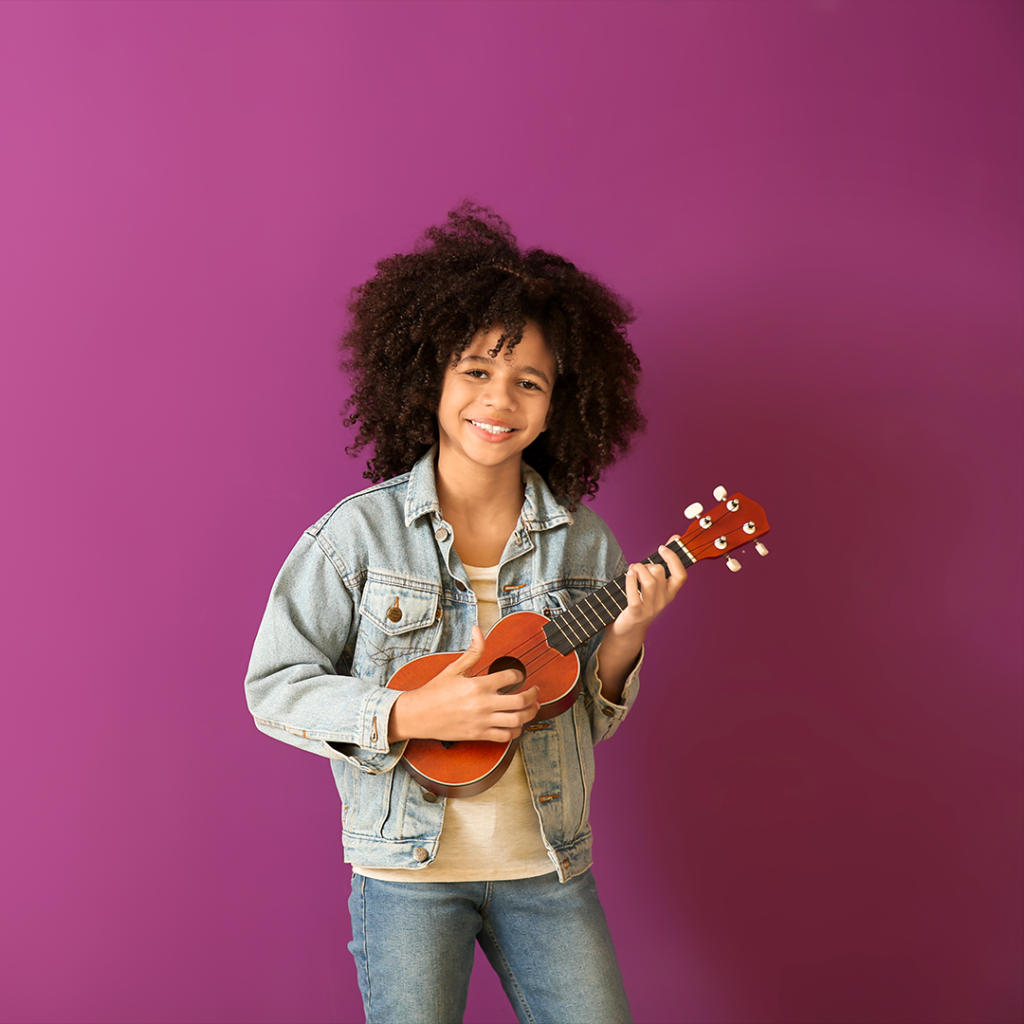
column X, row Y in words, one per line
column 327, row 647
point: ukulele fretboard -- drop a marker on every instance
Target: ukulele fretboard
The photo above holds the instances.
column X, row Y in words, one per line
column 578, row 624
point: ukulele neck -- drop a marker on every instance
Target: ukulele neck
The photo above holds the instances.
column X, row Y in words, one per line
column 578, row 624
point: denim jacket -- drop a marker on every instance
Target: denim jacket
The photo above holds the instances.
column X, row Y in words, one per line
column 327, row 647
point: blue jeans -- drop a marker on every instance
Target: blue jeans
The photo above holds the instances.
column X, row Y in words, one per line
column 413, row 944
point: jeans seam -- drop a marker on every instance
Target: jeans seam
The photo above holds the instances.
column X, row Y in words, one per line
column 510, row 974
column 366, row 952
column 486, row 901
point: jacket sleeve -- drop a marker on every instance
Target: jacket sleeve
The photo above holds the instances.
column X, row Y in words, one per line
column 295, row 688
column 606, row 716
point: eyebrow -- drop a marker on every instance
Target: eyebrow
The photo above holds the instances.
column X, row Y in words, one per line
column 531, row 370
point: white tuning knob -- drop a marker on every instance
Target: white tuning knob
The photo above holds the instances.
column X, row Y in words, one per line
column 720, row 493
column 694, row 510
column 760, row 548
column 733, row 565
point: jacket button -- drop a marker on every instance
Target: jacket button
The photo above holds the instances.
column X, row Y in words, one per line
column 420, row 854
column 607, row 711
column 431, row 798
column 459, row 585
column 394, row 612
column 440, row 534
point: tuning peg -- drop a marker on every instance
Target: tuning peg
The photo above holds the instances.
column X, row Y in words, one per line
column 694, row 510
column 720, row 493
column 733, row 564
column 760, row 548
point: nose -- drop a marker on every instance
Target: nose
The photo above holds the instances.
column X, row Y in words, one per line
column 500, row 394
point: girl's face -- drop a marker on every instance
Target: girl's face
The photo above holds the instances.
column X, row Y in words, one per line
column 493, row 407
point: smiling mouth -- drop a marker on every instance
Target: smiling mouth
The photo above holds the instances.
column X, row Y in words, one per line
column 490, row 428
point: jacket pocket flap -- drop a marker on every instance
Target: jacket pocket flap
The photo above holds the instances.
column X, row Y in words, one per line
column 396, row 607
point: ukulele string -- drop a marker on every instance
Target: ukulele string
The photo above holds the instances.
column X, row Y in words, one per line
column 535, row 652
column 522, row 652
column 618, row 583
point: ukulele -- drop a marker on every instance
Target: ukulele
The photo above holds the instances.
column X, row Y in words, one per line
column 544, row 650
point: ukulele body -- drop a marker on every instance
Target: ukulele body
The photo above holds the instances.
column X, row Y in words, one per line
column 469, row 767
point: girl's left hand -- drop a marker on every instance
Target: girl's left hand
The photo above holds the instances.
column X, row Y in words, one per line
column 648, row 592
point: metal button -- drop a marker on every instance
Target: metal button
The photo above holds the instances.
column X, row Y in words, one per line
column 459, row 585
column 394, row 612
column 440, row 534
column 431, row 798
column 437, row 615
column 607, row 711
column 420, row 854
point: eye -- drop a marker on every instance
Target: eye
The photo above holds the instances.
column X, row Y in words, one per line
column 478, row 374
column 530, row 385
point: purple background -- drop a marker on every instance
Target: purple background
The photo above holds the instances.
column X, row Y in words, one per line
column 815, row 812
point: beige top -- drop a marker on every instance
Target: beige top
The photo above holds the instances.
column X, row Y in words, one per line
column 495, row 834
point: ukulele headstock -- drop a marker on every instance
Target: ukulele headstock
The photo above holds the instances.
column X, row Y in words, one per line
column 733, row 522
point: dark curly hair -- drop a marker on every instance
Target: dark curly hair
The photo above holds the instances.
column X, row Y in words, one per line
column 420, row 311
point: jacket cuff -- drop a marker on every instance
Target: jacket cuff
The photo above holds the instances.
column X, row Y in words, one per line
column 372, row 754
column 609, row 709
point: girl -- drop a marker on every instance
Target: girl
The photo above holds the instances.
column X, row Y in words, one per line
column 494, row 386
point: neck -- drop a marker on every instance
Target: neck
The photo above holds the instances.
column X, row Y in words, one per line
column 477, row 490
column 481, row 506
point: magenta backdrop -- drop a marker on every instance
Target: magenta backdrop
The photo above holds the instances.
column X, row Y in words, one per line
column 815, row 812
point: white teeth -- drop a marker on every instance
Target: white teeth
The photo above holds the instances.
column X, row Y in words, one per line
column 491, row 429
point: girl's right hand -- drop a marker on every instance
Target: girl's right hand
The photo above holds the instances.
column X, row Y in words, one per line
column 456, row 706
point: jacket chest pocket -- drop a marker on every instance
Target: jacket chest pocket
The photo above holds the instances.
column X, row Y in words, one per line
column 400, row 620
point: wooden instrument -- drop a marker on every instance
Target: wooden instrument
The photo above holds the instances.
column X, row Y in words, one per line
column 545, row 650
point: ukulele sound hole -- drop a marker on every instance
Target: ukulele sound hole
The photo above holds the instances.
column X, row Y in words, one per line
column 499, row 665
column 506, row 662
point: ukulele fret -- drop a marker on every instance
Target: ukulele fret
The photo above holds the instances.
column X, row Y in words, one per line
column 604, row 605
column 609, row 613
column 581, row 610
column 556, row 636
column 568, row 617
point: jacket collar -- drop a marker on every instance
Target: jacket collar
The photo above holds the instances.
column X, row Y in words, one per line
column 541, row 509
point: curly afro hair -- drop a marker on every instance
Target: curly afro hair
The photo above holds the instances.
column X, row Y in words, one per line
column 415, row 317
